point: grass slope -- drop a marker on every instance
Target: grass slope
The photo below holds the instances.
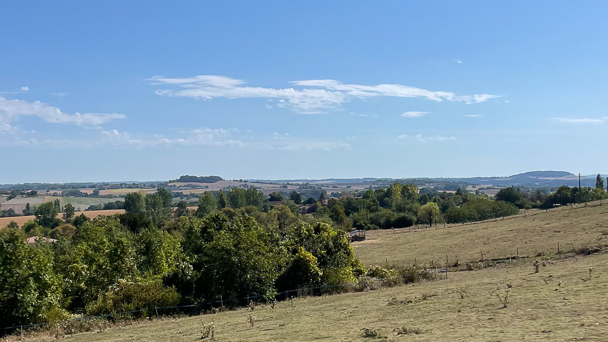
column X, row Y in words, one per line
column 538, row 232
column 561, row 302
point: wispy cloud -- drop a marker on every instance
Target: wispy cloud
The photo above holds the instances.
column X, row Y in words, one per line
column 25, row 88
column 286, row 142
column 581, row 120
column 473, row 116
column 458, row 61
column 421, row 138
column 312, row 96
column 201, row 137
column 11, row 110
column 414, row 114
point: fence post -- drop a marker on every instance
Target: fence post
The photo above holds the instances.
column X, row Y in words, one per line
column 558, row 248
column 156, row 309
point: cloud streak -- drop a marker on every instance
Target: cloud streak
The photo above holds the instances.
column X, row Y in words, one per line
column 306, row 97
column 580, row 120
column 11, row 110
column 414, row 114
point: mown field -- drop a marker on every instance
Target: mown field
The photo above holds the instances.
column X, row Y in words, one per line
column 564, row 301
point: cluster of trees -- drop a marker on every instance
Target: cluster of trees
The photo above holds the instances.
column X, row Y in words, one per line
column 234, row 246
column 197, row 179
column 107, row 206
column 403, row 205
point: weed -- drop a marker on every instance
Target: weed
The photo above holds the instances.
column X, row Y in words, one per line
column 208, row 331
column 369, row 333
column 251, row 320
column 504, row 299
column 408, row 331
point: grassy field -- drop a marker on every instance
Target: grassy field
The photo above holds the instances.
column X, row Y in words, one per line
column 538, row 232
column 560, row 303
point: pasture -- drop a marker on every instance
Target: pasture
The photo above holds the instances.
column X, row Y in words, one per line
column 20, row 220
column 538, row 232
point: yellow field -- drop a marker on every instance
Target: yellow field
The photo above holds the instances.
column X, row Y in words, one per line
column 20, row 220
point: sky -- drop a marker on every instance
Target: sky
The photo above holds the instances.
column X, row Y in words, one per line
column 150, row 90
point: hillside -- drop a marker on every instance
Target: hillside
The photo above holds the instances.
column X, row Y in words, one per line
column 563, row 301
column 539, row 231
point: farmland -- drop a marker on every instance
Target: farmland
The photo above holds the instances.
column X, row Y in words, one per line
column 563, row 301
column 20, row 220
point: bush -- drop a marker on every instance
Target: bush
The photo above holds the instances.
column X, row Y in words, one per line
column 127, row 296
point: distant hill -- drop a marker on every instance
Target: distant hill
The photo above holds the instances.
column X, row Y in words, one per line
column 197, row 179
column 532, row 179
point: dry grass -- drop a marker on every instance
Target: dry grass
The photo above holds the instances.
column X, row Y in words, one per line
column 538, row 232
column 20, row 220
column 559, row 303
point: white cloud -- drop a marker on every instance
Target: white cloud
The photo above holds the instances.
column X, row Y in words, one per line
column 315, row 96
column 201, row 136
column 285, row 142
column 580, row 120
column 423, row 139
column 402, row 136
column 11, row 110
column 458, row 61
column 474, row 116
column 414, row 114
column 26, row 88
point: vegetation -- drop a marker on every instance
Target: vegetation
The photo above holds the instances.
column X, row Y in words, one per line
column 197, row 179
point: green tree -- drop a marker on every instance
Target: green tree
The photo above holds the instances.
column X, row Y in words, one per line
column 599, row 182
column 222, row 199
column 46, row 215
column 429, row 213
column 296, row 197
column 207, row 203
column 135, row 203
column 68, row 212
column 29, row 289
column 182, row 209
column 236, row 198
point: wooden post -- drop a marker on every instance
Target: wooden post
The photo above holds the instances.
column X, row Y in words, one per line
column 415, row 262
column 222, row 302
column 517, row 251
column 156, row 309
column 558, row 248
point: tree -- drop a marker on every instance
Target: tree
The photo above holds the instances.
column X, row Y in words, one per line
column 296, row 197
column 135, row 203
column 182, row 209
column 207, row 203
column 46, row 215
column 599, row 182
column 275, row 197
column 68, row 212
column 222, row 200
column 429, row 213
column 29, row 288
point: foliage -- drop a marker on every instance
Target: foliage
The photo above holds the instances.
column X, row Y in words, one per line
column 46, row 215
column 130, row 296
column 29, row 289
column 197, row 179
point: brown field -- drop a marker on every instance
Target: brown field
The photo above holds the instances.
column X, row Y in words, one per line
column 20, row 220
column 538, row 232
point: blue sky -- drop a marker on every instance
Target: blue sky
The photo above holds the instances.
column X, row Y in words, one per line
column 150, row 90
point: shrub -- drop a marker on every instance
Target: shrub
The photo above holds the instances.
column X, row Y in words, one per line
column 127, row 296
